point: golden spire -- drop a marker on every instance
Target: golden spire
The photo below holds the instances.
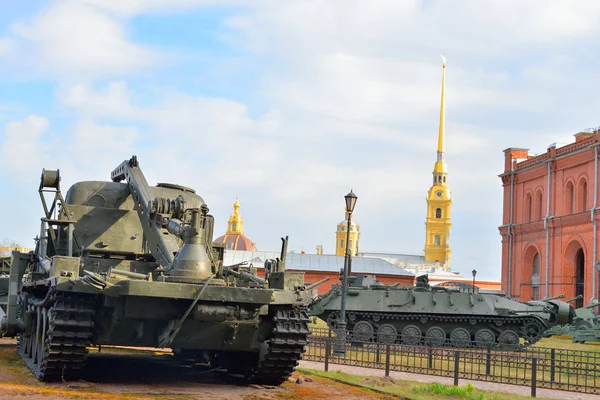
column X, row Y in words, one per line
column 236, row 224
column 440, row 166
column 442, row 109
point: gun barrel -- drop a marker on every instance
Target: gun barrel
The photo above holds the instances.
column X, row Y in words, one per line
column 560, row 296
column 129, row 274
column 312, row 285
column 574, row 298
column 244, row 275
column 283, row 255
column 593, row 305
column 395, row 284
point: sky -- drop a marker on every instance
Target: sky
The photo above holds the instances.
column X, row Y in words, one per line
column 290, row 104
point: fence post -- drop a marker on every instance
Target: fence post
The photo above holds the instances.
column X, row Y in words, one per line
column 456, row 365
column 377, row 353
column 552, row 364
column 488, row 361
column 387, row 360
column 327, row 351
column 430, row 361
column 533, row 376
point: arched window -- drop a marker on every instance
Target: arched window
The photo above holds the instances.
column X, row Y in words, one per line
column 581, row 196
column 438, row 213
column 570, row 199
column 584, row 195
column 436, row 240
column 538, row 205
column 535, row 277
column 342, row 243
column 536, row 264
column 528, row 208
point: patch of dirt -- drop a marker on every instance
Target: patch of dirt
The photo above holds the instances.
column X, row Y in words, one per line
column 132, row 375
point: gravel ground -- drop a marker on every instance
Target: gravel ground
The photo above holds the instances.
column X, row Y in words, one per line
column 126, row 374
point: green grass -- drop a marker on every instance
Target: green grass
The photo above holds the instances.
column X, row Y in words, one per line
column 414, row 390
column 565, row 342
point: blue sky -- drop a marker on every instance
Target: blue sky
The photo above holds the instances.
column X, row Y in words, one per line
column 292, row 104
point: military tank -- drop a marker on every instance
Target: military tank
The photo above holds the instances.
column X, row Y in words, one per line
column 125, row 263
column 4, row 270
column 437, row 316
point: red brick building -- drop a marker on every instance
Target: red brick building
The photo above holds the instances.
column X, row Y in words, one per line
column 550, row 221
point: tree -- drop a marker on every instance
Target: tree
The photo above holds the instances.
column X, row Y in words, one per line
column 6, row 243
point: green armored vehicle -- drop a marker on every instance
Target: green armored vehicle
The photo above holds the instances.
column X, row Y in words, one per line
column 4, row 271
column 124, row 263
column 583, row 319
column 586, row 325
column 438, row 316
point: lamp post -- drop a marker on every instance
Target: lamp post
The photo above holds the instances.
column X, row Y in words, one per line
column 474, row 272
column 340, row 343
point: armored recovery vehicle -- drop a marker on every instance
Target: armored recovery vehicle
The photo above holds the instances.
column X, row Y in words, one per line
column 124, row 263
column 438, row 316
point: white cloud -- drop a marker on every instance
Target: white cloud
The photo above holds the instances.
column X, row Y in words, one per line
column 73, row 37
column 348, row 97
column 131, row 7
column 21, row 148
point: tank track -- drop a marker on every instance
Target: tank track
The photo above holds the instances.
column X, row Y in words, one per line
column 61, row 330
column 289, row 337
column 529, row 329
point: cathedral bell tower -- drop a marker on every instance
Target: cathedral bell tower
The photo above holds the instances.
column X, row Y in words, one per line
column 340, row 237
column 439, row 200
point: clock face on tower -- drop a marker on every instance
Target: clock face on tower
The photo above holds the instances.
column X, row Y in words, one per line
column 438, row 193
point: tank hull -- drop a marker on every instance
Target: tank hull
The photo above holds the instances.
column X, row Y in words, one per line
column 245, row 330
column 439, row 317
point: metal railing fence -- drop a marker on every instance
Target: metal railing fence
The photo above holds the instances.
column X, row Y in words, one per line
column 538, row 367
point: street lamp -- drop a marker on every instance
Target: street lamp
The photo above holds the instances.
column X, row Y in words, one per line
column 474, row 272
column 340, row 343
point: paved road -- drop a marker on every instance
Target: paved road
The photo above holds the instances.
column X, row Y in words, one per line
column 498, row 387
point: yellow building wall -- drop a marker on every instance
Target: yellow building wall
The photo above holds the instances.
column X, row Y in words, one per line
column 340, row 247
column 438, row 225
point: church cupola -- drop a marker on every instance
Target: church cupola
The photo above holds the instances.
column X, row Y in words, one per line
column 234, row 238
column 340, row 236
column 236, row 224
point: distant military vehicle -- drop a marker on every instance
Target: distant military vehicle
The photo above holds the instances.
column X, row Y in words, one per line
column 583, row 319
column 4, row 270
column 438, row 316
column 586, row 325
column 125, row 263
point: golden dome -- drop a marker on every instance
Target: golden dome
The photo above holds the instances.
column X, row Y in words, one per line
column 234, row 238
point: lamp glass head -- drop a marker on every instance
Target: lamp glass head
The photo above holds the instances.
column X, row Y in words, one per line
column 350, row 201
